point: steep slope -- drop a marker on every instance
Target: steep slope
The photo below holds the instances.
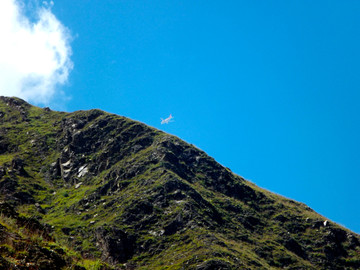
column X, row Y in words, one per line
column 116, row 190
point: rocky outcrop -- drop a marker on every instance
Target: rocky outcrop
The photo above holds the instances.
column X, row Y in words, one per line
column 116, row 245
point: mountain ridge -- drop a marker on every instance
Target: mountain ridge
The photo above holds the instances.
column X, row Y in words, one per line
column 115, row 193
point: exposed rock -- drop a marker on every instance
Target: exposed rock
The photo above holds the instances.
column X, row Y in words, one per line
column 317, row 224
column 78, row 185
column 174, row 226
column 137, row 212
column 336, row 235
column 23, row 197
column 214, row 264
column 2, row 171
column 292, row 245
column 55, row 169
column 8, row 186
column 353, row 241
column 116, row 245
column 4, row 146
column 17, row 166
column 83, row 170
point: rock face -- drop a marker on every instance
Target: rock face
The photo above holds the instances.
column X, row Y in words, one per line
column 117, row 192
column 116, row 245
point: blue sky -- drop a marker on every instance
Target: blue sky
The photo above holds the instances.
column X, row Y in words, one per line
column 270, row 89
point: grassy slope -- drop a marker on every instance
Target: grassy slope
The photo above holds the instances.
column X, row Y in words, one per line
column 97, row 176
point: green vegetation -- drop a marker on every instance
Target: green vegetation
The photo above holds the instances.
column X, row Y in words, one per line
column 91, row 190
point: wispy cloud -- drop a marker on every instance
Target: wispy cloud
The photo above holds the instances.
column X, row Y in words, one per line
column 34, row 52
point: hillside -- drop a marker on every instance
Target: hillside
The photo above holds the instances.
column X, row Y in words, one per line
column 93, row 190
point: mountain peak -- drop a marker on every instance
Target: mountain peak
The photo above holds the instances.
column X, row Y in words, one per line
column 120, row 193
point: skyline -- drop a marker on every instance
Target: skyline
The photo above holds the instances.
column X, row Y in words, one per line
column 270, row 90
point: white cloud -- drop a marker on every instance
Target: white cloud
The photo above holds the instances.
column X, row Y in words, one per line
column 34, row 54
